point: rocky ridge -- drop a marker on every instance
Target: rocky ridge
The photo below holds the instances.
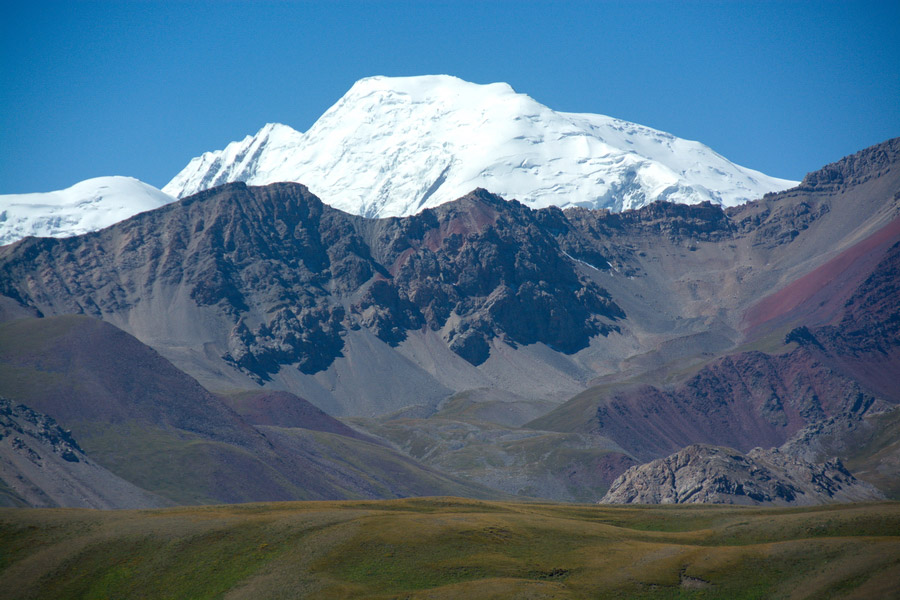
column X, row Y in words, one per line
column 285, row 277
column 715, row 475
column 267, row 285
column 854, row 169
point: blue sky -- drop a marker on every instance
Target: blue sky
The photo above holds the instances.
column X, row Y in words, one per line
column 139, row 88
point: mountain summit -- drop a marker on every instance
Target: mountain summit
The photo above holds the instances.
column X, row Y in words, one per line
column 86, row 206
column 393, row 146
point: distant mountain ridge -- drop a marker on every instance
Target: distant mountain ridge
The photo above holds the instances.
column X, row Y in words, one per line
column 393, row 146
column 243, row 285
column 483, row 321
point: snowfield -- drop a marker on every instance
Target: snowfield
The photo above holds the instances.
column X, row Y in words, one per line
column 87, row 206
column 394, row 146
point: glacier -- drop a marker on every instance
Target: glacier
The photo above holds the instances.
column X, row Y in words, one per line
column 393, row 146
column 86, row 206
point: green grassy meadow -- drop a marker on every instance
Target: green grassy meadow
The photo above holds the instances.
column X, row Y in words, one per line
column 451, row 548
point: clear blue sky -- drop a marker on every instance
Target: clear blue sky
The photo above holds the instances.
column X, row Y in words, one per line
column 139, row 88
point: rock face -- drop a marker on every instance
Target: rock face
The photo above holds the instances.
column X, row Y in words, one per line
column 42, row 465
column 269, row 277
column 289, row 275
column 741, row 401
column 244, row 286
column 702, row 474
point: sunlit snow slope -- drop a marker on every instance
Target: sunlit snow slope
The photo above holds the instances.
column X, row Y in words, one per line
column 393, row 146
column 86, row 206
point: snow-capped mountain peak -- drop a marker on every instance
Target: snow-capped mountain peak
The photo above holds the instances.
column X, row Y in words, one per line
column 86, row 206
column 393, row 146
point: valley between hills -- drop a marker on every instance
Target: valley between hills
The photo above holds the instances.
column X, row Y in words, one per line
column 433, row 381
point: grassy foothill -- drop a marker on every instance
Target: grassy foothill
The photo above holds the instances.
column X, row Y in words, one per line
column 451, row 548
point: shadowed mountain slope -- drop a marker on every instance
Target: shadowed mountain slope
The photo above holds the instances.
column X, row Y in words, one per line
column 283, row 409
column 138, row 416
column 42, row 465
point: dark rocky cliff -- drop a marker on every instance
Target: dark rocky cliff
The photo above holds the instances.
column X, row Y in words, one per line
column 261, row 281
column 291, row 274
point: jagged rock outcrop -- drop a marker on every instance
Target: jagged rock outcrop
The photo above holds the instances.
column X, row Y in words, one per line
column 702, row 474
column 483, row 263
column 854, row 169
column 869, row 445
column 286, row 275
column 267, row 285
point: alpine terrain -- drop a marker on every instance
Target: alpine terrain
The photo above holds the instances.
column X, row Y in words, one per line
column 482, row 346
column 393, row 146
column 442, row 300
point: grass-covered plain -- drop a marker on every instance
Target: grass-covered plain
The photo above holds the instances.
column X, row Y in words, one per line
column 451, row 548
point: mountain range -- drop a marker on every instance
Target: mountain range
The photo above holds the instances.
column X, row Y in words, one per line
column 393, row 146
column 481, row 347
